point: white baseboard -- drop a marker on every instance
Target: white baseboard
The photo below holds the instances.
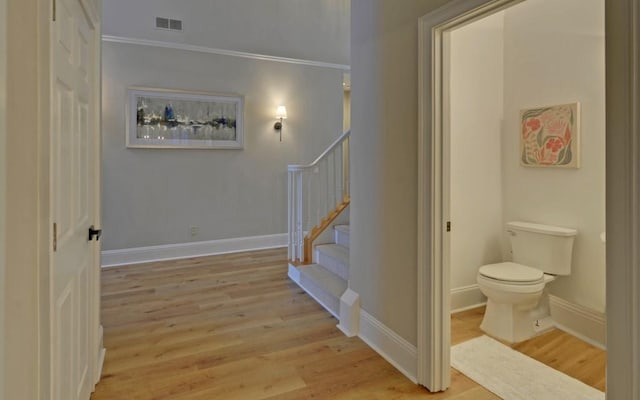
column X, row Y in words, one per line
column 138, row 255
column 350, row 313
column 294, row 274
column 582, row 322
column 393, row 348
column 101, row 355
column 466, row 297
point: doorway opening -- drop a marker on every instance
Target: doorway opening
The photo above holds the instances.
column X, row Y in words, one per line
column 490, row 65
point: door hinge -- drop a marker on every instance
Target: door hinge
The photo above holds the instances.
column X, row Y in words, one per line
column 55, row 236
column 448, row 226
column 54, row 10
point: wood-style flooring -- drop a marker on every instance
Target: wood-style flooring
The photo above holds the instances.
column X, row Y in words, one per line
column 235, row 327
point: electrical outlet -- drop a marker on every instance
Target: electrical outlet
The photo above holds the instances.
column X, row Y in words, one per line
column 194, row 230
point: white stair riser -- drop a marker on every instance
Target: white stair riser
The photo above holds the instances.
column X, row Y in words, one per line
column 342, row 238
column 333, row 264
column 326, row 282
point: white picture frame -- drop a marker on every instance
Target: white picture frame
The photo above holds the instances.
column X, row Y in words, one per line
column 176, row 119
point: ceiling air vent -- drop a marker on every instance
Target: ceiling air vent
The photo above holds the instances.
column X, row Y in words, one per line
column 168, row 24
column 162, row 23
column 175, row 24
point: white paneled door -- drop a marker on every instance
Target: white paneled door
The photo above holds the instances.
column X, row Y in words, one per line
column 73, row 140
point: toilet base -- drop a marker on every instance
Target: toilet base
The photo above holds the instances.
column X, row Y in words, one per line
column 513, row 324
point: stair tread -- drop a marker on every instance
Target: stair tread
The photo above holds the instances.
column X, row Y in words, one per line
column 342, row 228
column 324, row 278
column 336, row 251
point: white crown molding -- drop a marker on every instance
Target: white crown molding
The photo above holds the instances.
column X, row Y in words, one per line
column 138, row 255
column 232, row 53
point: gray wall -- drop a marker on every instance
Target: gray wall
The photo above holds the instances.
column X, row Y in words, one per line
column 153, row 196
column 384, row 115
column 307, row 29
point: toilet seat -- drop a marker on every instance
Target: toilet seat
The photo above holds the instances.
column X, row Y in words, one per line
column 508, row 287
column 511, row 273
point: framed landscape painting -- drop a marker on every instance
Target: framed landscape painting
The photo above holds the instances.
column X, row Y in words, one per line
column 550, row 136
column 162, row 118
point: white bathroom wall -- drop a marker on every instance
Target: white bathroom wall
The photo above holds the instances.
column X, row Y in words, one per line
column 476, row 90
column 554, row 54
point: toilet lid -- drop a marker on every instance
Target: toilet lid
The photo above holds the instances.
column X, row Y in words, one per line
column 511, row 272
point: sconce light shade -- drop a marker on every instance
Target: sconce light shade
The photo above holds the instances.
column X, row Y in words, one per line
column 281, row 112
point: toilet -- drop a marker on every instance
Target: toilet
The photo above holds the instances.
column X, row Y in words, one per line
column 517, row 304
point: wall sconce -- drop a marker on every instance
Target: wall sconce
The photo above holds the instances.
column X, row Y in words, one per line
column 281, row 115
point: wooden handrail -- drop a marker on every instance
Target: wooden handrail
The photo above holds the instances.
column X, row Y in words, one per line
column 317, row 230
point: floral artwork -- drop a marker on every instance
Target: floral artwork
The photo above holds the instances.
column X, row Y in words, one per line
column 549, row 136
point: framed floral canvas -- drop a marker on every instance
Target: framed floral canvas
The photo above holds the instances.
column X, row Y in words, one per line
column 550, row 136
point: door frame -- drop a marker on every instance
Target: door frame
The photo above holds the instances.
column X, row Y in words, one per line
column 622, row 197
column 26, row 196
column 3, row 133
column 434, row 323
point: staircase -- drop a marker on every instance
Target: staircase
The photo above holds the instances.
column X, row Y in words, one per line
column 326, row 279
column 318, row 225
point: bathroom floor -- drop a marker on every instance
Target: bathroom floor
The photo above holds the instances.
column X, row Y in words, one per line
column 557, row 349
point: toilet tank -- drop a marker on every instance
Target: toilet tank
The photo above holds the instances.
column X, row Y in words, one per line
column 545, row 247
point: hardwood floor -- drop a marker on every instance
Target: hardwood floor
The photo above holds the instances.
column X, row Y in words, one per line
column 556, row 349
column 235, row 327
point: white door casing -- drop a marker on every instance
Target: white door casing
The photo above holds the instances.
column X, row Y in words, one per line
column 622, row 47
column 28, row 282
column 434, row 325
column 74, row 137
column 3, row 106
column 623, row 193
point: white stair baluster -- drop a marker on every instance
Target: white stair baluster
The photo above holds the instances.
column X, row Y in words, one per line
column 314, row 191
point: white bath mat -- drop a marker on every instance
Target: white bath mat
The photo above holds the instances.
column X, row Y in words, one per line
column 514, row 376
